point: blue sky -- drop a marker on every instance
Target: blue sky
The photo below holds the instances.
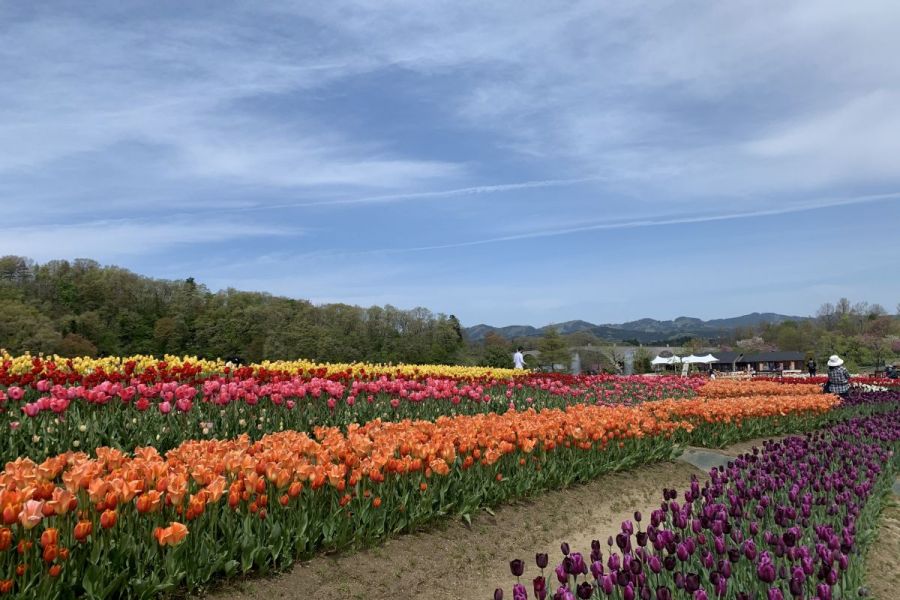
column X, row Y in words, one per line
column 508, row 162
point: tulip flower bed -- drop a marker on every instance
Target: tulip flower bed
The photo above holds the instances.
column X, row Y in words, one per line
column 45, row 419
column 723, row 388
column 885, row 400
column 136, row 525
column 859, row 381
column 791, row 520
column 26, row 369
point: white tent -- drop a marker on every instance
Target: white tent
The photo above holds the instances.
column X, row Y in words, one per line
column 703, row 360
column 665, row 360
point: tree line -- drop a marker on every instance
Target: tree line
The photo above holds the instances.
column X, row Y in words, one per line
column 81, row 308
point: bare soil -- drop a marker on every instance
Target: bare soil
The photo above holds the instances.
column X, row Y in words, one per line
column 745, row 447
column 455, row 561
column 883, row 561
column 452, row 561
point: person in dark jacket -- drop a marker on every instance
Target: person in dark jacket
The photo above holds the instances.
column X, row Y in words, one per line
column 811, row 366
column 838, row 376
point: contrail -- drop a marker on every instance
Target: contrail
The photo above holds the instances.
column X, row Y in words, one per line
column 811, row 206
column 466, row 191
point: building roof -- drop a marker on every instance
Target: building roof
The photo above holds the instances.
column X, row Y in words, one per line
column 753, row 357
column 774, row 356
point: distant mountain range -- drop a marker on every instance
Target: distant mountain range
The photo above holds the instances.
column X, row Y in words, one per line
column 642, row 330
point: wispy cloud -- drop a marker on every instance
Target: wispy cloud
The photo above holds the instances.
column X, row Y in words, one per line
column 437, row 126
column 116, row 239
column 658, row 222
column 465, row 191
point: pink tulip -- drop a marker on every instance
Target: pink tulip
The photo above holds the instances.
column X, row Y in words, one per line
column 165, row 408
column 32, row 514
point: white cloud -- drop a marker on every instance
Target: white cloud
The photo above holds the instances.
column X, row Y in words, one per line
column 859, row 139
column 110, row 240
column 87, row 87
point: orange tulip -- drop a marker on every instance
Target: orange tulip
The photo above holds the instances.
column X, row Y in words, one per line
column 55, row 570
column 10, row 515
column 295, row 489
column 149, row 502
column 5, row 539
column 172, row 535
column 108, row 519
column 50, row 537
column 83, row 529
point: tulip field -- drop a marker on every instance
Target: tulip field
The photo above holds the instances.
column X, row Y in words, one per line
column 138, row 477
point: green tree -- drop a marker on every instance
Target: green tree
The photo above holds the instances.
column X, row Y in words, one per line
column 553, row 350
column 642, row 360
column 497, row 352
column 73, row 345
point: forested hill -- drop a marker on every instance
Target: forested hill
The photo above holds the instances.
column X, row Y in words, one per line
column 83, row 308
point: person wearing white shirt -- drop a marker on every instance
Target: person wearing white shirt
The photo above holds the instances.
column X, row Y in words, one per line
column 519, row 359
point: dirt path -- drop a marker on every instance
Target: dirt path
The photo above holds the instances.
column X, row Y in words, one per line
column 454, row 562
column 883, row 561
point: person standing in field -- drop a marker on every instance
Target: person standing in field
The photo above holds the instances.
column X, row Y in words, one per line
column 518, row 359
column 811, row 366
column 838, row 376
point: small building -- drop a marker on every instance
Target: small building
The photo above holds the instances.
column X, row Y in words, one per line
column 761, row 362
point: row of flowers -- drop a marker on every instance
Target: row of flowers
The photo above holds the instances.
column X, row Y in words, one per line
column 136, row 525
column 26, row 369
column 45, row 419
column 790, row 520
column 724, row 388
column 857, row 380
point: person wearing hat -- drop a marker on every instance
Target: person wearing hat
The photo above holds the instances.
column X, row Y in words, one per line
column 838, row 376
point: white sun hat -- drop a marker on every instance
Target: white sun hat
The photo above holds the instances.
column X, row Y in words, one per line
column 835, row 361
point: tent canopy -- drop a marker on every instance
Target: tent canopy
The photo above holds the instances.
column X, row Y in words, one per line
column 705, row 360
column 665, row 360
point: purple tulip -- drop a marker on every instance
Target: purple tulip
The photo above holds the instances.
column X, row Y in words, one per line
column 517, row 567
column 596, row 569
column 565, row 548
column 700, row 595
column 540, row 587
column 613, row 562
column 774, row 594
column 519, row 592
column 765, row 570
column 670, row 563
column 564, row 593
column 561, row 574
column 542, row 560
column 578, row 566
column 663, row 593
column 750, row 550
column 607, row 585
column 585, row 590
column 498, row 594
column 628, row 592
